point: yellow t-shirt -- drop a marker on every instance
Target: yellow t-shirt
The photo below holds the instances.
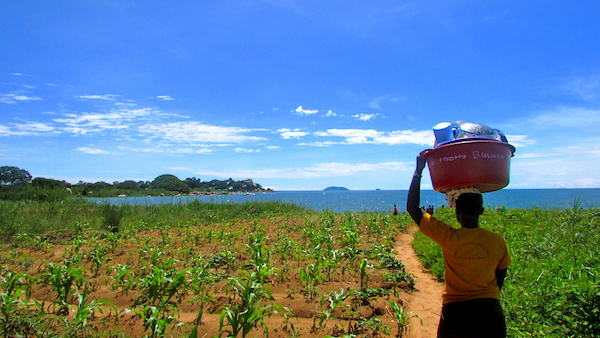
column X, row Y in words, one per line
column 471, row 257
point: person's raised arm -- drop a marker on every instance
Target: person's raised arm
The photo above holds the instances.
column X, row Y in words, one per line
column 414, row 192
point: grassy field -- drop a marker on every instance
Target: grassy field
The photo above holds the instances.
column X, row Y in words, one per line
column 553, row 284
column 78, row 269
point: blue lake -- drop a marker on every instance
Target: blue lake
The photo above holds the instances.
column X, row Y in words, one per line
column 383, row 200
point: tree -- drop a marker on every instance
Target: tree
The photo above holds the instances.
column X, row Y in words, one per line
column 47, row 183
column 193, row 182
column 170, row 183
column 128, row 185
column 13, row 175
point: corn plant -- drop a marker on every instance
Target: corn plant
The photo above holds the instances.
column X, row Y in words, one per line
column 62, row 278
column 401, row 318
column 200, row 275
column 260, row 254
column 366, row 296
column 334, row 300
column 364, row 276
column 156, row 319
column 198, row 322
column 33, row 242
column 13, row 323
column 160, row 285
column 223, row 258
column 113, row 239
column 84, row 313
column 398, row 278
column 373, row 324
column 124, row 278
column 76, row 244
column 285, row 247
column 310, row 277
column 330, row 262
column 244, row 315
column 97, row 257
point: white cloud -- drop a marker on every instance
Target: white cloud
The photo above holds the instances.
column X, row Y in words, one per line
column 28, row 129
column 302, row 111
column 352, row 136
column 165, row 98
column 185, row 132
column 288, row 133
column 422, row 137
column 13, row 98
column 532, row 155
column 5, row 131
column 107, row 97
column 364, row 117
column 520, row 140
column 34, row 127
column 330, row 113
column 319, row 144
column 93, row 151
column 361, row 136
column 92, row 122
column 87, row 123
column 588, row 182
column 247, row 151
column 190, row 151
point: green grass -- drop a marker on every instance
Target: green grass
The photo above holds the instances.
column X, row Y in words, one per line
column 553, row 283
column 37, row 218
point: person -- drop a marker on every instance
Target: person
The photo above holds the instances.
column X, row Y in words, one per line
column 475, row 262
column 395, row 210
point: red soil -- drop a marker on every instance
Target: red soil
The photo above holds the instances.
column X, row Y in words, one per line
column 424, row 300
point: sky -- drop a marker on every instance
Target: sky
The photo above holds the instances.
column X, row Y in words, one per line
column 296, row 95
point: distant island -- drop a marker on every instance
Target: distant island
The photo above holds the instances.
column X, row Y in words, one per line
column 335, row 188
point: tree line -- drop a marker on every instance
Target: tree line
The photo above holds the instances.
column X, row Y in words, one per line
column 18, row 184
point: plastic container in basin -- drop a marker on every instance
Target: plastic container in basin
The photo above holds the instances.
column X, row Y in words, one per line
column 481, row 164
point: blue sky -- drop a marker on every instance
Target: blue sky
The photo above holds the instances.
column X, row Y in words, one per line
column 295, row 94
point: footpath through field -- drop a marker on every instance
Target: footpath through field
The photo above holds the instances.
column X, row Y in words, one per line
column 426, row 300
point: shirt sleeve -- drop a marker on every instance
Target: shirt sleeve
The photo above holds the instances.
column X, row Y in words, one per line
column 435, row 229
column 505, row 260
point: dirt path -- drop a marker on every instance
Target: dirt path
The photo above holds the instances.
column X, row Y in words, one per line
column 426, row 300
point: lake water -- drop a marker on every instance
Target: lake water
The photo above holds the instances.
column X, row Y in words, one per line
column 383, row 200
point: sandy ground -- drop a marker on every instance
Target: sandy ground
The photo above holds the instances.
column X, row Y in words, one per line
column 426, row 301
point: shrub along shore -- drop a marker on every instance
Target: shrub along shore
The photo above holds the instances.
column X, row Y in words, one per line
column 552, row 287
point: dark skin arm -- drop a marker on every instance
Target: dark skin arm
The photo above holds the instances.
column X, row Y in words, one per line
column 414, row 192
column 500, row 275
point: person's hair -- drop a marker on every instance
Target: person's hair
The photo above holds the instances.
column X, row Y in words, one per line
column 470, row 203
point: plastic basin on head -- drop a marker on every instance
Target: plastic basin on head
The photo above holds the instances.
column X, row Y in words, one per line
column 481, row 164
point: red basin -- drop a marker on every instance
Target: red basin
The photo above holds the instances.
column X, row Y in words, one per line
column 481, row 164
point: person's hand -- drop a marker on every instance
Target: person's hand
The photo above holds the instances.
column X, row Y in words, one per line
column 428, row 210
column 421, row 161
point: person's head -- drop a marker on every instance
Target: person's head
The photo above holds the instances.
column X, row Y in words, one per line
column 469, row 206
